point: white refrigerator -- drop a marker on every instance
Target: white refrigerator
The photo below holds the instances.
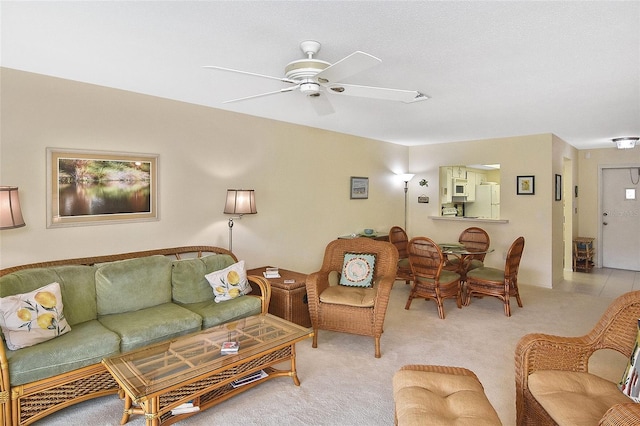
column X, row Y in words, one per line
column 487, row 203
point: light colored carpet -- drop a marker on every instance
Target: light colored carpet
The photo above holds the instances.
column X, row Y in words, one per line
column 343, row 384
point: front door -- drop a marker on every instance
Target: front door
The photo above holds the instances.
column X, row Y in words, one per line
column 621, row 218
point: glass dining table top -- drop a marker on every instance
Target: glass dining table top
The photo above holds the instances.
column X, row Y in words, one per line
column 460, row 249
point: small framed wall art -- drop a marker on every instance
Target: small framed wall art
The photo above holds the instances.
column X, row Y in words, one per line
column 525, row 185
column 558, row 187
column 100, row 187
column 359, row 187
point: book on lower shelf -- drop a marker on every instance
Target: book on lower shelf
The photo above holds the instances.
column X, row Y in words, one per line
column 271, row 272
column 187, row 407
column 229, row 348
column 249, row 379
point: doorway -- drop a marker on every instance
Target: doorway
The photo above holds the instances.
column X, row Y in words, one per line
column 620, row 217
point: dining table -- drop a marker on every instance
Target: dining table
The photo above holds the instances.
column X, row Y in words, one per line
column 464, row 254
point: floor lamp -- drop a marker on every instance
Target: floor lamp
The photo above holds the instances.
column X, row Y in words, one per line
column 406, row 178
column 239, row 202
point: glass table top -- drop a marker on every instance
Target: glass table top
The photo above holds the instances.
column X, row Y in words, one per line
column 167, row 364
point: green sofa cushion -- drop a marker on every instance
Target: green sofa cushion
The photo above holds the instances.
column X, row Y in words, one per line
column 86, row 344
column 76, row 284
column 151, row 325
column 133, row 284
column 188, row 283
column 213, row 313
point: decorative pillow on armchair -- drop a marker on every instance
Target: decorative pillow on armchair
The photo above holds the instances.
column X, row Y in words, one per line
column 35, row 317
column 357, row 269
column 229, row 283
column 630, row 382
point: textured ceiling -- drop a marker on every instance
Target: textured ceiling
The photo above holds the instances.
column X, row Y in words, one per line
column 492, row 69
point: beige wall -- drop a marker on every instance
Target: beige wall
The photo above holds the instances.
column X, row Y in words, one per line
column 536, row 217
column 300, row 174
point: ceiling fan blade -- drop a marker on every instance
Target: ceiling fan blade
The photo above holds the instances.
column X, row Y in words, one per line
column 321, row 104
column 346, row 67
column 406, row 96
column 286, row 80
column 288, row 89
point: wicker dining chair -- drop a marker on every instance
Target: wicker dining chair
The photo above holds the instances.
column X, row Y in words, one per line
column 398, row 237
column 354, row 310
column 500, row 283
column 473, row 238
column 431, row 281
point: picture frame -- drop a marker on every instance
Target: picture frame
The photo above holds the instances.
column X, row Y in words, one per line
column 359, row 188
column 525, row 185
column 100, row 187
column 558, row 191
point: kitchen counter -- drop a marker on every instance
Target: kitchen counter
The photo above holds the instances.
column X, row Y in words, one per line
column 469, row 219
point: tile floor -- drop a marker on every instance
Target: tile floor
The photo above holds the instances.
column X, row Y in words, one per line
column 603, row 282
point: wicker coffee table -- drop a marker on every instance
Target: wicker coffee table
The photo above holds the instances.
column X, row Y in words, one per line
column 191, row 370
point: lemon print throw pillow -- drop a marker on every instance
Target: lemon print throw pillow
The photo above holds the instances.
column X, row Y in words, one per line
column 35, row 317
column 229, row 283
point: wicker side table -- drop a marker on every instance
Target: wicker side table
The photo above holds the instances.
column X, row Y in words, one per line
column 288, row 300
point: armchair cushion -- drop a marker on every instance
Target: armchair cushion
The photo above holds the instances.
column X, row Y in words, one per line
column 630, row 382
column 362, row 297
column 574, row 398
column 357, row 269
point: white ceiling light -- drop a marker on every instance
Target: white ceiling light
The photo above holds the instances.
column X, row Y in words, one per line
column 625, row 143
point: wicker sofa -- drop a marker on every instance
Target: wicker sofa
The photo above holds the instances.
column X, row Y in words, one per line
column 112, row 304
column 553, row 372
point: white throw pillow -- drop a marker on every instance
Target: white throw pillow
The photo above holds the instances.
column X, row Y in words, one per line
column 34, row 317
column 229, row 283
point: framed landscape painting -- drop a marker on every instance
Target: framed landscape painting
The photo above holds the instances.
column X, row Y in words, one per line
column 100, row 187
column 359, row 187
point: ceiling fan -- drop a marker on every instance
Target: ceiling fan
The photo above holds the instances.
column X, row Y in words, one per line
column 315, row 78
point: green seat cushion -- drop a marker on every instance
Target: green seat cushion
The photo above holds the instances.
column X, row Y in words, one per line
column 445, row 277
column 188, row 284
column 475, row 263
column 133, row 284
column 404, row 263
column 77, row 285
column 213, row 313
column 486, row 274
column 151, row 325
column 86, row 344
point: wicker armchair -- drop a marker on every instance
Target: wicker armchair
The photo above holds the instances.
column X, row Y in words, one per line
column 398, row 237
column 498, row 282
column 615, row 330
column 430, row 280
column 363, row 320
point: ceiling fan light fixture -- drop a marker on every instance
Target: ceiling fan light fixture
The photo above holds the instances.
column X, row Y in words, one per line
column 310, row 88
column 626, row 142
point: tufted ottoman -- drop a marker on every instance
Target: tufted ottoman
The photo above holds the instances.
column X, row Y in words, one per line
column 439, row 395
